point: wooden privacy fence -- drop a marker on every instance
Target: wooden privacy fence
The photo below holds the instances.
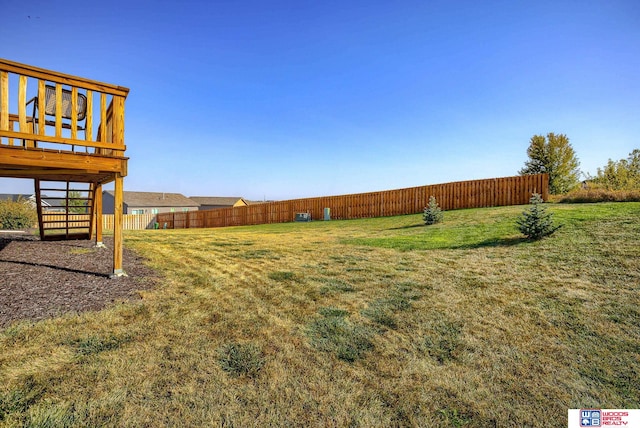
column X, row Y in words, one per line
column 463, row 194
column 129, row 221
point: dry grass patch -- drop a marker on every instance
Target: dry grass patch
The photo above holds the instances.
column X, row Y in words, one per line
column 377, row 322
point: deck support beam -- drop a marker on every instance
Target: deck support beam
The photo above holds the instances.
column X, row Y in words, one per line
column 117, row 227
column 97, row 214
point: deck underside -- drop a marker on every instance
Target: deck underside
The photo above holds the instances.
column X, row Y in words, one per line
column 55, row 165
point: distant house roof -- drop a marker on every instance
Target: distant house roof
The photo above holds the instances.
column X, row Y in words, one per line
column 155, row 199
column 14, row 197
column 219, row 200
column 45, row 201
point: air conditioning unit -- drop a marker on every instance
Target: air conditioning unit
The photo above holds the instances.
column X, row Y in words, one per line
column 303, row 216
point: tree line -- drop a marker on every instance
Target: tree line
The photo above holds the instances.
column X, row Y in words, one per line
column 554, row 155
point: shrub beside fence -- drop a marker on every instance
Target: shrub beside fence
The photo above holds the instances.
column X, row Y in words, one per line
column 463, row 194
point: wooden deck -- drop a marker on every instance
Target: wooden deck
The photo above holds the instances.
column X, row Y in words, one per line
column 38, row 146
column 57, row 127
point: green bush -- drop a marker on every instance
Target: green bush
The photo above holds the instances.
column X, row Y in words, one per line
column 432, row 212
column 18, row 214
column 536, row 223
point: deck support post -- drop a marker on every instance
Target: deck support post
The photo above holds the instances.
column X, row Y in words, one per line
column 97, row 214
column 117, row 227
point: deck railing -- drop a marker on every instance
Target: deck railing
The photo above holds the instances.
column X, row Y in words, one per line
column 24, row 122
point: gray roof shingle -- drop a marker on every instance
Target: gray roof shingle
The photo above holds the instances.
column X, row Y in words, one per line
column 156, row 199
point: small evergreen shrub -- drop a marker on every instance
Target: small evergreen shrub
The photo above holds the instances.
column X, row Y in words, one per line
column 17, row 215
column 536, row 222
column 432, row 212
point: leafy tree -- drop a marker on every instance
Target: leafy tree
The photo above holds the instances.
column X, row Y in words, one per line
column 621, row 175
column 78, row 206
column 553, row 155
column 432, row 212
column 536, row 223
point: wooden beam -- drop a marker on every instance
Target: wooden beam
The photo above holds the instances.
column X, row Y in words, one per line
column 43, row 171
column 39, row 208
column 37, row 159
column 97, row 217
column 58, row 111
column 4, row 100
column 66, row 79
column 74, row 113
column 60, row 140
column 41, row 106
column 88, row 129
column 117, row 227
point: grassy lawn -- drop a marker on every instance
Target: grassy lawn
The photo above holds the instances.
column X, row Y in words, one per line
column 379, row 322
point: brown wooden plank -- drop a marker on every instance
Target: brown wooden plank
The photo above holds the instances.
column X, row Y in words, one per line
column 22, row 103
column 97, row 212
column 102, row 130
column 41, row 107
column 88, row 132
column 59, row 140
column 117, row 226
column 58, row 120
column 81, row 162
column 74, row 113
column 67, row 79
column 4, row 100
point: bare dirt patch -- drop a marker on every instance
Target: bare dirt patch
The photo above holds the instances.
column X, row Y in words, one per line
column 40, row 280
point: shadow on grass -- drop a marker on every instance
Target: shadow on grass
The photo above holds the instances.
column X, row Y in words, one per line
column 411, row 226
column 413, row 245
column 493, row 242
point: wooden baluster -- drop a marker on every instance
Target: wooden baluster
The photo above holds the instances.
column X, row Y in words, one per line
column 41, row 107
column 4, row 101
column 22, row 110
column 88, row 129
column 74, row 113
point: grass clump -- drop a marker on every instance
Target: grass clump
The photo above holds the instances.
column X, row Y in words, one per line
column 19, row 400
column 453, row 418
column 334, row 333
column 381, row 313
column 443, row 342
column 92, row 345
column 332, row 285
column 282, row 276
column 332, row 311
column 240, row 359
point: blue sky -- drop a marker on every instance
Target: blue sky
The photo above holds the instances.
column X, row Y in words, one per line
column 292, row 99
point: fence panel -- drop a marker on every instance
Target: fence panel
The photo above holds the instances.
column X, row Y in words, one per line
column 463, row 194
column 129, row 221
